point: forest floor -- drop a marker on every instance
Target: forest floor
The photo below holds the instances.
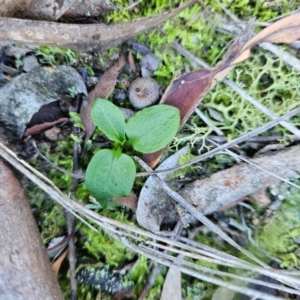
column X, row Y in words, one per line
column 226, row 209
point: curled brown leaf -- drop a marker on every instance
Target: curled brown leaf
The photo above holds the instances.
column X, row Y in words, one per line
column 103, row 89
column 187, row 91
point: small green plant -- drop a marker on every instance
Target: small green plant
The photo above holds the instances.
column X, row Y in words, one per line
column 111, row 173
column 55, row 56
column 72, row 91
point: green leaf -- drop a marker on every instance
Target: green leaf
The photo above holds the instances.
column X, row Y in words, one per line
column 109, row 119
column 153, row 128
column 109, row 174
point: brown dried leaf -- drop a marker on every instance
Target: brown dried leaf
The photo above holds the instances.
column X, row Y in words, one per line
column 36, row 129
column 186, row 91
column 56, row 265
column 103, row 89
column 286, row 30
column 130, row 201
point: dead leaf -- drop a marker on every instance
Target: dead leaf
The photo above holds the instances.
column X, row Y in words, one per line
column 41, row 127
column 172, row 286
column 103, row 89
column 57, row 264
column 286, row 30
column 129, row 201
column 8, row 70
column 186, row 91
column 131, row 62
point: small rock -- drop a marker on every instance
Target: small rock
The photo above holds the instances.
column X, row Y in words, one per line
column 17, row 50
column 52, row 133
column 128, row 113
column 30, row 63
column 149, row 64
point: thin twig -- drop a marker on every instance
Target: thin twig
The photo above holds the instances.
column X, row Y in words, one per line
column 127, row 7
column 69, row 215
column 194, row 212
column 71, row 255
column 248, row 161
column 211, row 279
column 121, row 229
column 208, row 122
column 157, row 269
column 255, row 139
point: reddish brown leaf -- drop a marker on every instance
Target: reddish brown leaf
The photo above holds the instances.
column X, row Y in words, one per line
column 40, row 127
column 186, row 91
column 103, row 89
column 129, row 201
column 56, row 265
column 286, row 30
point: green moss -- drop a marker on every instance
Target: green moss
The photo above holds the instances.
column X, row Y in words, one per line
column 246, row 9
column 55, row 56
column 48, row 214
column 266, row 79
column 280, row 236
column 155, row 291
column 101, row 245
column 194, row 289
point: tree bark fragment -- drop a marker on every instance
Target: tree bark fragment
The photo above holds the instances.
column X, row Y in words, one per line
column 230, row 185
column 78, row 36
column 223, row 189
column 25, row 271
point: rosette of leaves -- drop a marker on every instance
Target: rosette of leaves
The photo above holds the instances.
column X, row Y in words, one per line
column 110, row 172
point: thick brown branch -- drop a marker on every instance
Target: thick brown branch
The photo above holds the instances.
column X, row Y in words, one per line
column 25, row 270
column 78, row 36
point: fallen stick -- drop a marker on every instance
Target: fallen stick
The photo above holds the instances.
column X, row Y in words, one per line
column 25, row 268
column 78, row 36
